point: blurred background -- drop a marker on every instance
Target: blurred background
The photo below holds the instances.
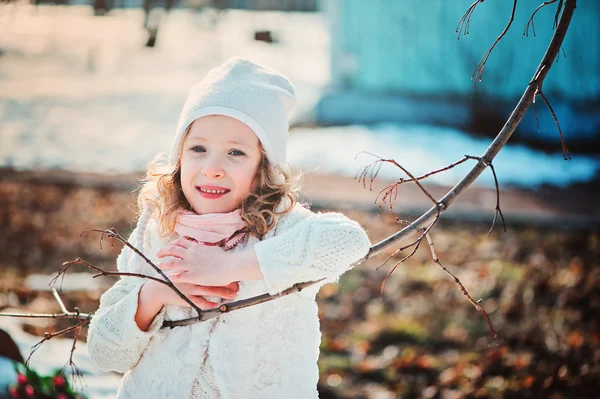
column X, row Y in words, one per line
column 90, row 90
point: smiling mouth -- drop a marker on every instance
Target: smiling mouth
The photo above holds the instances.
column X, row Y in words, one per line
column 205, row 190
column 212, row 193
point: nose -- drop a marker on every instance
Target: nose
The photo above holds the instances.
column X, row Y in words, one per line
column 213, row 168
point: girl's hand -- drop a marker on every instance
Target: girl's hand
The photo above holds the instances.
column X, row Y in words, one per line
column 196, row 293
column 196, row 263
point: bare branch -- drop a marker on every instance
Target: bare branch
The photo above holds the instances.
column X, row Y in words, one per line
column 441, row 169
column 493, row 334
column 530, row 21
column 478, row 72
column 390, row 193
column 112, row 233
column 230, row 307
column 70, row 315
column 416, row 242
column 537, row 122
column 563, row 144
column 76, row 314
column 204, row 314
column 76, row 374
column 424, row 232
column 557, row 14
column 393, row 162
column 103, row 272
column 48, row 336
column 563, row 53
column 498, row 210
column 503, row 136
column 465, row 22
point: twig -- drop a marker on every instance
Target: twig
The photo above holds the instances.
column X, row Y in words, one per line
column 424, row 232
column 103, row 272
column 563, row 144
column 563, row 53
column 530, row 21
column 493, row 334
column 112, row 233
column 478, row 72
column 497, row 210
column 76, row 374
column 391, row 192
column 416, row 242
column 393, row 162
column 557, row 14
column 465, row 22
column 230, row 307
column 372, row 169
column 76, row 316
column 48, row 336
column 537, row 122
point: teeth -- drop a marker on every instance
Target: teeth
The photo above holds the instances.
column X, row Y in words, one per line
column 213, row 191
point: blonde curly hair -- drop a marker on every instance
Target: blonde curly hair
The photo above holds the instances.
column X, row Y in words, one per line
column 162, row 189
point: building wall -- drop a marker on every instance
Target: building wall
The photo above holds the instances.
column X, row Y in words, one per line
column 411, row 46
column 400, row 61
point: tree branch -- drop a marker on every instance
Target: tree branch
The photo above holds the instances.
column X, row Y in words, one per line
column 478, row 72
column 112, row 233
column 493, row 334
column 465, row 22
column 530, row 21
column 563, row 144
column 48, row 336
column 230, row 307
column 505, row 133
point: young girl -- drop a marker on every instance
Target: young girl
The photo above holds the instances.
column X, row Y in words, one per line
column 224, row 181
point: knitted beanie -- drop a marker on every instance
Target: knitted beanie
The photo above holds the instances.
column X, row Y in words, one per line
column 254, row 94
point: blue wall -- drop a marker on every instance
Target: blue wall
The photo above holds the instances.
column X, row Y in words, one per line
column 410, row 48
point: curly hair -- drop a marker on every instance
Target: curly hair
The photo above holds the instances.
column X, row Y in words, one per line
column 162, row 188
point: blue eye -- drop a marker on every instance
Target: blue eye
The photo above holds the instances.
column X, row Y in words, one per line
column 239, row 153
column 198, row 148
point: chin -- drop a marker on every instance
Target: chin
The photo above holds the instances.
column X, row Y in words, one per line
column 213, row 209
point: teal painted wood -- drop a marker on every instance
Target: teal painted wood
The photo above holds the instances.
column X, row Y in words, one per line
column 410, row 46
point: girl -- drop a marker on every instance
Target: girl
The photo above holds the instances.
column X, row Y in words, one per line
column 224, row 182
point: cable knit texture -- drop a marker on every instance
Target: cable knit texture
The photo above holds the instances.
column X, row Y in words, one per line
column 264, row 351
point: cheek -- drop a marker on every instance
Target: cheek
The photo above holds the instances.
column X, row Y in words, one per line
column 187, row 181
column 187, row 172
column 245, row 181
column 184, row 178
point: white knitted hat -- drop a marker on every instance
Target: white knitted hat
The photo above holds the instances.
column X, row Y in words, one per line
column 256, row 95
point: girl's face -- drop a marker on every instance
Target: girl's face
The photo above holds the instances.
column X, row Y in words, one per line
column 219, row 159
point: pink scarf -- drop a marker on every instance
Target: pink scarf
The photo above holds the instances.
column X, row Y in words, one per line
column 223, row 229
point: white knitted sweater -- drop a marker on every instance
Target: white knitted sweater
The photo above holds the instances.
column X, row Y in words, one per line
column 264, row 351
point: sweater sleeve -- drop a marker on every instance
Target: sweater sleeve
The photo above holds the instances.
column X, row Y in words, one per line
column 115, row 341
column 312, row 247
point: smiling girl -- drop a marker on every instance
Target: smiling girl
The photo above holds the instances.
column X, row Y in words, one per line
column 225, row 181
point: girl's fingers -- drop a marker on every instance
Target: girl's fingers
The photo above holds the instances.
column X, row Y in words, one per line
column 233, row 286
column 181, row 242
column 221, row 292
column 172, row 264
column 202, row 303
column 179, row 276
column 172, row 250
column 195, row 289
